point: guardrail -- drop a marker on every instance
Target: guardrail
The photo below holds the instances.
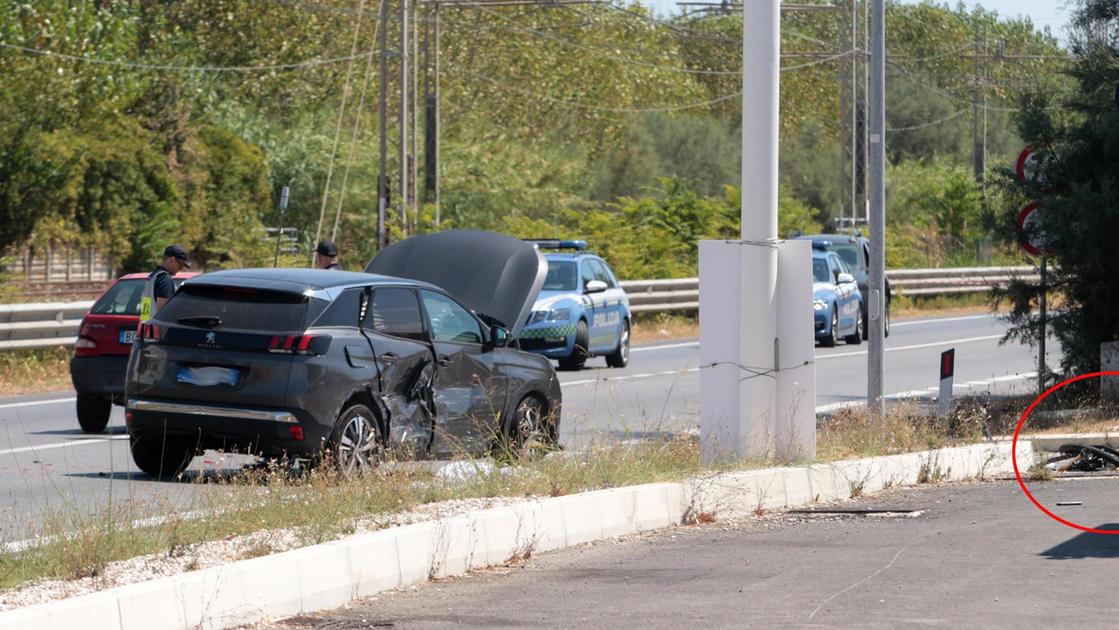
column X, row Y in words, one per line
column 682, row 295
column 56, row 323
column 40, row 325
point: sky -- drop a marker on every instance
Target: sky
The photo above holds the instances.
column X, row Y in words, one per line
column 1044, row 13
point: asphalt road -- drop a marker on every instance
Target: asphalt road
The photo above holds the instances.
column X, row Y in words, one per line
column 979, row 556
column 46, row 461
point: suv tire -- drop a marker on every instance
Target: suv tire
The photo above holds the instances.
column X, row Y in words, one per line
column 93, row 412
column 620, row 357
column 355, row 443
column 162, row 459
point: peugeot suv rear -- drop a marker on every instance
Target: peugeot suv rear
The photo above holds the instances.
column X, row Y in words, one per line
column 101, row 351
column 298, row 363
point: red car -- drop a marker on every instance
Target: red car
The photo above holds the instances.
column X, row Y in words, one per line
column 101, row 352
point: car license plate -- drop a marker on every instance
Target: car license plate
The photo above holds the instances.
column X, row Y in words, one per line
column 208, row 376
column 127, row 336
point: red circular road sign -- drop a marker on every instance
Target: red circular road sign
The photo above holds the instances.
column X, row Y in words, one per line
column 1029, row 164
column 1031, row 230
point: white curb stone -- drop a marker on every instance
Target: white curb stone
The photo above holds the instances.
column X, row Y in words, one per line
column 332, row 574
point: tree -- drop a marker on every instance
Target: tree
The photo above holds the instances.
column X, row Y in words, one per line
column 1081, row 130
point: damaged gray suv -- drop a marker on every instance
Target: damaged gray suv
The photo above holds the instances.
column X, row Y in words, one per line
column 412, row 355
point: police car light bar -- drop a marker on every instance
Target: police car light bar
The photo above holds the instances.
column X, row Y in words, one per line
column 821, row 245
column 547, row 243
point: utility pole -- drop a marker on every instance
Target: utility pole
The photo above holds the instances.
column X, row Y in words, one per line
column 877, row 197
column 382, row 111
column 864, row 207
column 979, row 111
column 435, row 125
column 413, row 159
column 404, row 81
column 848, row 109
column 431, row 111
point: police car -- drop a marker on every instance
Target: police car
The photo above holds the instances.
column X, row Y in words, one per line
column 835, row 298
column 581, row 312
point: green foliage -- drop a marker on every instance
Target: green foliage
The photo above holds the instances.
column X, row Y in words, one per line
column 555, row 120
column 703, row 151
column 1082, row 215
column 225, row 182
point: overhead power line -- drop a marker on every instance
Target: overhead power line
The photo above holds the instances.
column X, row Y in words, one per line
column 513, row 25
column 930, row 123
column 310, row 63
column 601, row 108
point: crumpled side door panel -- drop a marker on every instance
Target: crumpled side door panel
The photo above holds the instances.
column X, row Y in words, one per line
column 406, row 381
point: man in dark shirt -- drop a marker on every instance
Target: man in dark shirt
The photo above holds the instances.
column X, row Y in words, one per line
column 160, row 287
column 326, row 256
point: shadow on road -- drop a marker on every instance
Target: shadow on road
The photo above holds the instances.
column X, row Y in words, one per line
column 209, row 476
column 107, row 431
column 1086, row 545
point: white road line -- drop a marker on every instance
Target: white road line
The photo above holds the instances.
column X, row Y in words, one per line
column 934, row 344
column 35, row 403
column 962, row 318
column 667, row 346
column 77, row 442
column 1009, row 378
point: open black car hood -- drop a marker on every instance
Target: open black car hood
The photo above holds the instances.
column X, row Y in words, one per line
column 496, row 275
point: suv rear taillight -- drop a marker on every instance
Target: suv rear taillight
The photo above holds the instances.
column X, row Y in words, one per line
column 85, row 347
column 149, row 332
column 304, row 344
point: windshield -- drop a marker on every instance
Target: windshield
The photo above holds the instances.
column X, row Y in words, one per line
column 849, row 252
column 123, row 298
column 561, row 276
column 820, row 270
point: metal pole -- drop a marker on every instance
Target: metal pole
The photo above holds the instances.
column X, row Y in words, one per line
column 413, row 175
column 438, row 162
column 1041, row 368
column 404, row 59
column 864, row 208
column 846, row 107
column 382, row 114
column 761, row 65
column 877, row 198
column 280, row 229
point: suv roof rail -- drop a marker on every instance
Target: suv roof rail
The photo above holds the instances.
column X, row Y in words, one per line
column 551, row 243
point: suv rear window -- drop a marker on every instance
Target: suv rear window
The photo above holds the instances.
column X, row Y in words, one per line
column 241, row 308
column 123, row 298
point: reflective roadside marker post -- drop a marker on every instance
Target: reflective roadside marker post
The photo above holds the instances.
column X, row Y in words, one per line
column 947, row 371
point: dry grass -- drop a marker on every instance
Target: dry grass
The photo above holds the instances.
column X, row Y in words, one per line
column 32, row 371
column 664, row 327
column 320, row 506
column 853, row 433
column 903, row 307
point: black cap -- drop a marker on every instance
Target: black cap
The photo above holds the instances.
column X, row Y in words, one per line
column 327, row 248
column 177, row 252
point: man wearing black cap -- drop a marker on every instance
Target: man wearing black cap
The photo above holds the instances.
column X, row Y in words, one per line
column 326, row 256
column 160, row 287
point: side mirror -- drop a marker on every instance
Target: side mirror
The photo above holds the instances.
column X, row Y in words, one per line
column 844, row 278
column 596, row 286
column 499, row 336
